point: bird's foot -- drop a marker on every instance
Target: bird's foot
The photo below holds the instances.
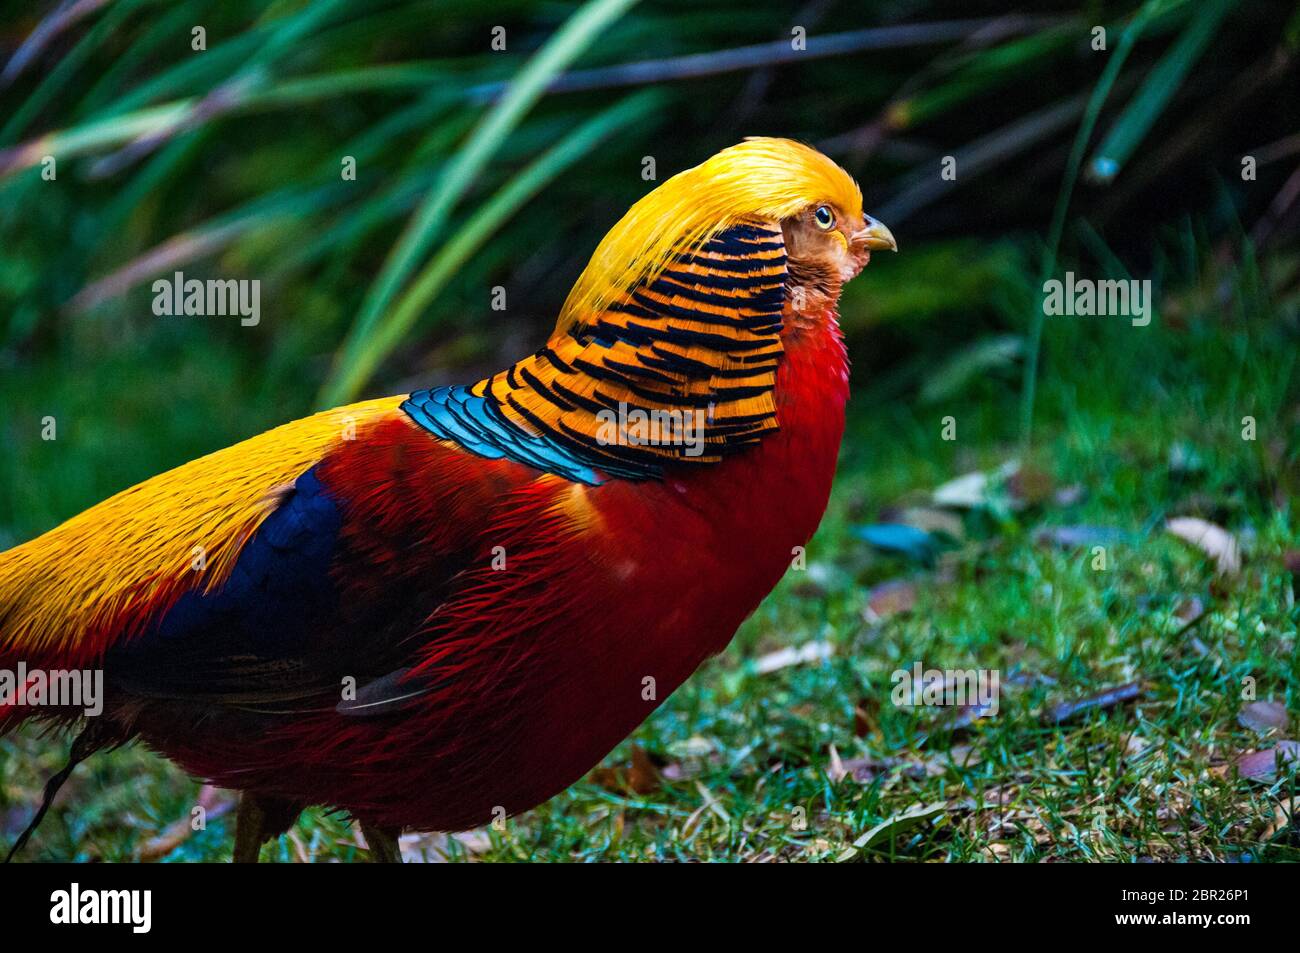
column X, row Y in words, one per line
column 382, row 842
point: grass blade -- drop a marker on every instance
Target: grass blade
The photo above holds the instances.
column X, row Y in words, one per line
column 1163, row 81
column 559, row 51
column 1150, row 10
column 388, row 333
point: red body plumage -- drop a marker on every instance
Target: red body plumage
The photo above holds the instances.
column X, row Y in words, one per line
column 542, row 665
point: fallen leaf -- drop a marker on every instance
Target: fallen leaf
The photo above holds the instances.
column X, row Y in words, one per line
column 696, row 746
column 1134, row 746
column 640, row 777
column 1264, row 717
column 794, row 655
column 1215, row 541
column 677, row 771
column 438, row 848
column 1262, row 765
column 966, row 492
column 862, row 770
column 1107, row 698
column 896, row 825
column 864, row 716
column 1075, row 537
column 866, row 769
column 932, row 520
column 978, row 490
column 1030, row 486
column 1189, row 610
column 1284, row 816
column 998, row 851
column 896, row 597
column 1069, row 495
column 901, row 540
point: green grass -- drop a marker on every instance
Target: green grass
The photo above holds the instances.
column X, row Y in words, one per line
column 744, row 759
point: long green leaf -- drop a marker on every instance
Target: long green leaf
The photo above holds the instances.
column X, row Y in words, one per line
column 389, row 332
column 1101, row 92
column 1159, row 87
column 577, row 33
column 66, row 68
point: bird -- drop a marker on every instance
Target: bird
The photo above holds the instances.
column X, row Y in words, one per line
column 437, row 609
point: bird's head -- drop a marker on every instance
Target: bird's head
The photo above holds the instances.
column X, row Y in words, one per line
column 827, row 245
column 692, row 301
column 776, row 182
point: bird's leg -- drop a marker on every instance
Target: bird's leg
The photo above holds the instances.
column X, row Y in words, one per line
column 250, row 829
column 382, row 842
column 259, row 820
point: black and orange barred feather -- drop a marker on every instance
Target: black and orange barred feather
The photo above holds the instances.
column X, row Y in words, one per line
column 674, row 324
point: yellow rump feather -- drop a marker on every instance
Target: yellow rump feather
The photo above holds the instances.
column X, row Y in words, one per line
column 140, row 547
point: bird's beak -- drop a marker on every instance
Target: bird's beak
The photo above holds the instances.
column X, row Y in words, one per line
column 874, row 236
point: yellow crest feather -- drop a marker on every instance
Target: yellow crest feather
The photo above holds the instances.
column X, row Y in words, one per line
column 759, row 179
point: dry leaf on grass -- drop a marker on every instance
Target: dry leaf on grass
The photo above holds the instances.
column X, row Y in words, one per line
column 865, row 770
column 895, row 826
column 979, row 489
column 641, row 777
column 691, row 768
column 1264, row 717
column 1189, row 610
column 1077, row 537
column 1284, row 815
column 1263, row 765
column 932, row 520
column 1213, row 540
column 864, row 716
column 1108, row 698
column 895, row 597
column 795, row 655
column 436, row 848
column 1031, row 486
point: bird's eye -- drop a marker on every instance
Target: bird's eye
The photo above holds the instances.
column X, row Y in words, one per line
column 824, row 217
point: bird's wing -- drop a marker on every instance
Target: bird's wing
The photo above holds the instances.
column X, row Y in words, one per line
column 230, row 544
column 252, row 639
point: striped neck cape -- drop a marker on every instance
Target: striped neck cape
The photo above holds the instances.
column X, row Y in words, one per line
column 667, row 349
column 679, row 370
